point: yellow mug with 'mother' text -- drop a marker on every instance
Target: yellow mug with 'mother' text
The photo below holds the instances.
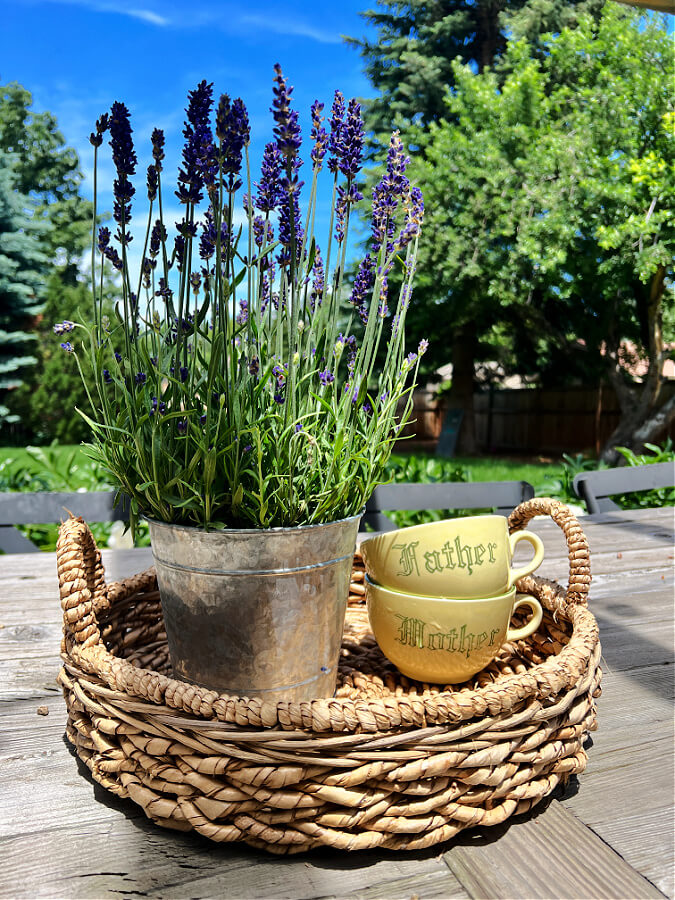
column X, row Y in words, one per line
column 459, row 558
column 442, row 640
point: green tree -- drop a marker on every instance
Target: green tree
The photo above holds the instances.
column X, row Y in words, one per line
column 49, row 172
column 22, row 268
column 550, row 209
column 412, row 64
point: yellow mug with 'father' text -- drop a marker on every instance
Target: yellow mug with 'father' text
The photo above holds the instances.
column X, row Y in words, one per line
column 459, row 558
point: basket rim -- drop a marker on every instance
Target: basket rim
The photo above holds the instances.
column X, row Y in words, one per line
column 84, row 593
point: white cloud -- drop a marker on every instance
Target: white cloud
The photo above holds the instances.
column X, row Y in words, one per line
column 100, row 6
column 290, row 27
column 145, row 14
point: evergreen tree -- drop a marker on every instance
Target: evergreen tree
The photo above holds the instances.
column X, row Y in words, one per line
column 410, row 61
column 22, row 269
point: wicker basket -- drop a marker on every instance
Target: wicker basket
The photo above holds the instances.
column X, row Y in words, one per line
column 386, row 763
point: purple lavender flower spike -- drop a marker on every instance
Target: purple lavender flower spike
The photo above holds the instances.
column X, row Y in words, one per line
column 113, row 257
column 233, row 132
column 319, row 136
column 242, row 315
column 340, row 214
column 67, row 346
column 318, row 281
column 183, row 372
column 383, row 309
column 164, row 291
column 336, row 125
column 141, row 378
column 393, row 186
column 198, row 152
column 268, row 187
column 363, row 283
column 207, row 240
column 258, row 231
column 422, row 347
column 124, row 158
column 107, row 377
column 179, row 251
column 96, row 138
column 152, row 182
column 351, row 141
column 157, row 140
column 413, row 205
column 345, row 198
column 157, row 237
column 326, row 377
column 146, row 270
column 103, row 239
column 287, row 128
column 287, row 234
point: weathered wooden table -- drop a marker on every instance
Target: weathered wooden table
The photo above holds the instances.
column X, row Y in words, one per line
column 609, row 834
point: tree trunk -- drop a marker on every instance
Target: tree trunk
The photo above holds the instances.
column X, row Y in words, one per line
column 489, row 37
column 641, row 418
column 461, row 393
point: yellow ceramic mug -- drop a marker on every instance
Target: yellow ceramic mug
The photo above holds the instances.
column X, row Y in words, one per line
column 460, row 558
column 442, row 640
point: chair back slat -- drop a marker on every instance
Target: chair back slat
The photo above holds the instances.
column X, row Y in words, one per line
column 503, row 496
column 46, row 507
column 595, row 488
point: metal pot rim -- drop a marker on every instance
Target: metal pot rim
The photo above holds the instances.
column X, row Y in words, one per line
column 277, row 529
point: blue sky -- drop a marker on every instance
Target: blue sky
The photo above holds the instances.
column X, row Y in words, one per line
column 77, row 56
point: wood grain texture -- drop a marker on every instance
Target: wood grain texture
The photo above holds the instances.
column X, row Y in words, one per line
column 62, row 835
column 129, row 856
column 549, row 855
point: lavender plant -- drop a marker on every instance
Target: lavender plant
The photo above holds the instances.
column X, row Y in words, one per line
column 226, row 393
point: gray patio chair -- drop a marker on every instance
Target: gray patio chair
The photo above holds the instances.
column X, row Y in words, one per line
column 596, row 488
column 36, row 508
column 503, row 496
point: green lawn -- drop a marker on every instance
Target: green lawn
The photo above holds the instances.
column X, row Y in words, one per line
column 418, row 465
column 21, row 456
column 67, row 468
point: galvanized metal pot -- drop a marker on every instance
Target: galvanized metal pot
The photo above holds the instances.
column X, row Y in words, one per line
column 256, row 612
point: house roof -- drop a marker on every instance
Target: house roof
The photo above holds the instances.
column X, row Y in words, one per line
column 666, row 6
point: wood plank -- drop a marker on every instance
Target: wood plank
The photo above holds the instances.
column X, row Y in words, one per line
column 626, row 793
column 26, row 677
column 130, row 858
column 58, row 824
column 550, row 854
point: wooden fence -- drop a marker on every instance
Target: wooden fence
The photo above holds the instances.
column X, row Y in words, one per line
column 570, row 420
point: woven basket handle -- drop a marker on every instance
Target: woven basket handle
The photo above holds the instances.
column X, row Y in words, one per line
column 577, row 545
column 81, row 581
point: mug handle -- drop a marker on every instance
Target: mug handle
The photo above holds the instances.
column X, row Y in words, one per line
column 536, row 560
column 517, row 634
